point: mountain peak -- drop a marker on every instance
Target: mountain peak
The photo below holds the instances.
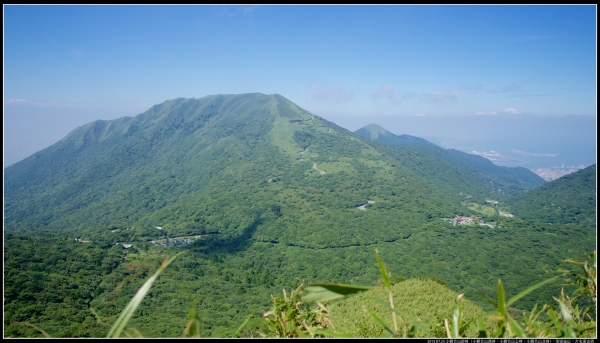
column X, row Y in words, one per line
column 375, row 130
column 377, row 133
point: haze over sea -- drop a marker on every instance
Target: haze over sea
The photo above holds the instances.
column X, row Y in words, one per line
column 508, row 140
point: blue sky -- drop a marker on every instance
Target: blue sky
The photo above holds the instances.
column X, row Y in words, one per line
column 65, row 66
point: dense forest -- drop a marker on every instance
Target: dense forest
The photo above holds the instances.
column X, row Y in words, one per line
column 259, row 195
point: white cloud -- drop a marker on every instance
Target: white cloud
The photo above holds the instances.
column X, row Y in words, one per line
column 335, row 96
column 525, row 153
column 36, row 103
column 480, row 89
column 231, row 11
column 441, row 97
column 495, row 156
column 452, row 95
column 386, row 92
column 511, row 110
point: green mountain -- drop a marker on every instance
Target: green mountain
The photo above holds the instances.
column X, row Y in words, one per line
column 501, row 181
column 570, row 199
column 268, row 196
column 383, row 136
column 225, row 164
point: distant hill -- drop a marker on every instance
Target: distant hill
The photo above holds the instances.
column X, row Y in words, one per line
column 383, row 136
column 502, row 181
column 566, row 200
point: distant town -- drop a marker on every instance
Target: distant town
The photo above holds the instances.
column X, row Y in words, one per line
column 554, row 173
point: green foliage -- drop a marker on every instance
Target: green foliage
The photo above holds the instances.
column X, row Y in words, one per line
column 232, row 278
column 585, row 278
column 507, row 326
column 565, row 321
column 49, row 282
column 326, row 292
column 290, row 317
column 570, row 199
column 416, row 301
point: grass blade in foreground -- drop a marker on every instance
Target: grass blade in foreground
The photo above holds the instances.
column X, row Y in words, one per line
column 381, row 322
column 119, row 325
column 242, row 326
column 456, row 320
column 383, row 271
column 529, row 290
column 386, row 280
column 328, row 291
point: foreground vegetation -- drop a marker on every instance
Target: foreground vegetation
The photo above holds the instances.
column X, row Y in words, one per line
column 568, row 316
column 417, row 308
column 75, row 289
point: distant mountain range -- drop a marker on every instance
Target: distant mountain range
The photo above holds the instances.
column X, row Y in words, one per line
column 502, row 181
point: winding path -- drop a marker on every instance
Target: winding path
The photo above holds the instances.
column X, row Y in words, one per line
column 320, row 171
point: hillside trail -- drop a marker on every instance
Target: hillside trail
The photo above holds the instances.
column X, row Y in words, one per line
column 320, row 171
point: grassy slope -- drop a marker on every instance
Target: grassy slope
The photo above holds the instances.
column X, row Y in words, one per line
column 416, row 300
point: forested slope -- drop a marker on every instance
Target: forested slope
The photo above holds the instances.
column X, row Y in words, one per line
column 220, row 163
column 566, row 200
column 500, row 181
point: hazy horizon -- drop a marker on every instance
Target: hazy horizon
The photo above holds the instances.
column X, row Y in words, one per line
column 550, row 142
column 455, row 75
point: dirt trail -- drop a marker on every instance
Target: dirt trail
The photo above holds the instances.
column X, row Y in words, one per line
column 320, row 171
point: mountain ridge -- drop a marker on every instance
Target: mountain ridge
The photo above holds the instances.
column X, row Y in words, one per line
column 501, row 181
column 187, row 155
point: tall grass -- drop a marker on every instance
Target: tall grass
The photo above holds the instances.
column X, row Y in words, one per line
column 117, row 328
column 562, row 319
column 292, row 315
